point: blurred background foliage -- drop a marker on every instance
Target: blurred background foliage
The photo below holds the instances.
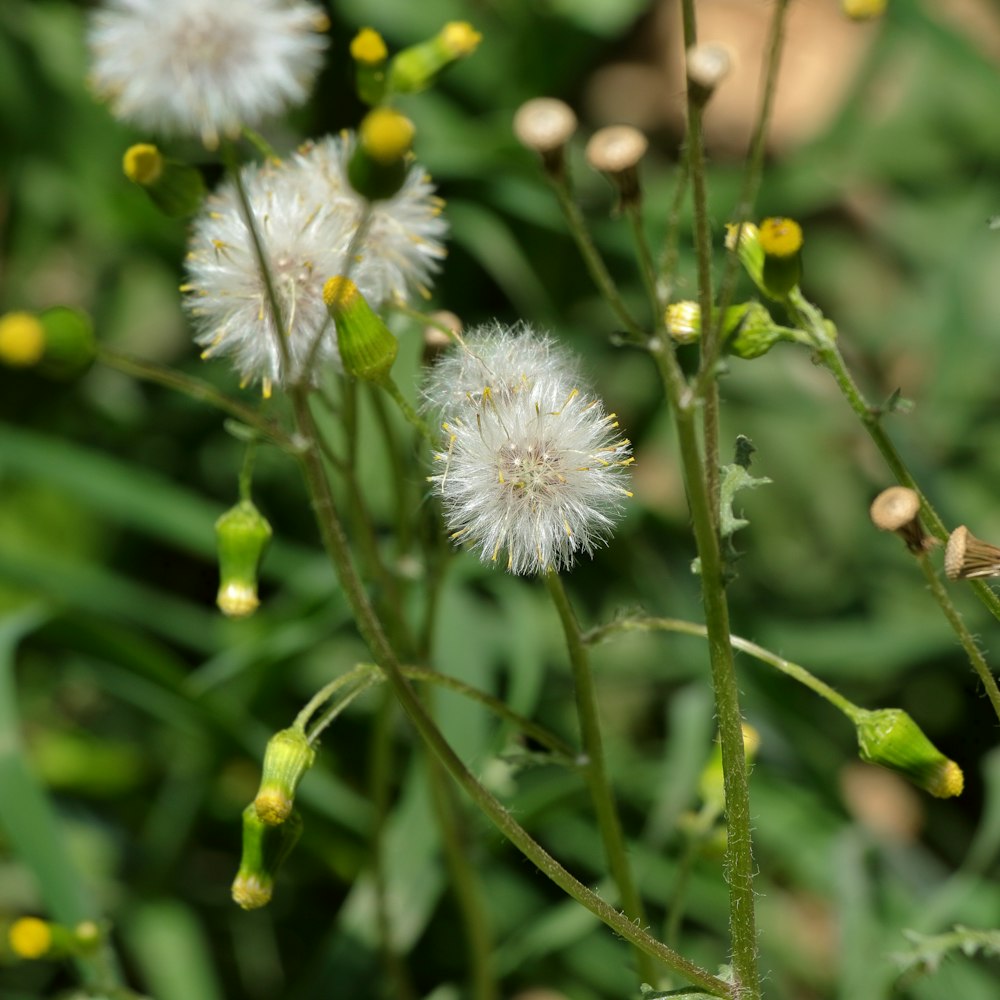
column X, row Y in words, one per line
column 143, row 713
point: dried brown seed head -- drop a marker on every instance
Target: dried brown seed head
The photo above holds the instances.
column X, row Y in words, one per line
column 898, row 509
column 967, row 557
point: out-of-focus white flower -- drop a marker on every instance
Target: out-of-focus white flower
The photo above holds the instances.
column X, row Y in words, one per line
column 402, row 239
column 204, row 67
column 307, row 217
column 532, row 470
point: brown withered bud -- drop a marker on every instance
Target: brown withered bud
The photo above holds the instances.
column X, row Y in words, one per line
column 967, row 557
column 897, row 509
column 616, row 151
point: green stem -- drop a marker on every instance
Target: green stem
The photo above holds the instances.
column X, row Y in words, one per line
column 975, row 655
column 595, row 768
column 194, row 388
column 592, row 259
column 371, row 631
column 389, row 384
column 671, row 246
column 793, row 670
column 739, row 858
column 645, row 258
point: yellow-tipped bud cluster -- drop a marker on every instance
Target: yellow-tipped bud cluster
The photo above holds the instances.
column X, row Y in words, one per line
column 890, row 738
column 367, row 347
column 177, row 189
column 242, row 535
column 31, row 939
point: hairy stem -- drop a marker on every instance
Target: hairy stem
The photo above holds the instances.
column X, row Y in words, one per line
column 595, row 768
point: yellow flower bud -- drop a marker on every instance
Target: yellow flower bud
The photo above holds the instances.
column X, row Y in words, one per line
column 242, row 535
column 367, row 348
column 417, row 67
column 177, row 189
column 264, row 849
column 22, row 340
column 30, row 937
column 368, row 47
column 890, row 738
column 381, row 159
column 781, row 241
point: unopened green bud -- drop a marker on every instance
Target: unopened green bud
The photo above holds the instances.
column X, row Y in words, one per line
column 683, row 321
column 417, row 67
column 743, row 239
column 287, row 758
column 367, row 348
column 264, row 849
column 781, row 241
column 242, row 534
column 381, row 158
column 750, row 330
column 369, row 54
column 890, row 738
column 177, row 189
column 31, row 938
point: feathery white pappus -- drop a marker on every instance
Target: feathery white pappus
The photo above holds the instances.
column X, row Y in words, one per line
column 204, row 67
column 531, row 470
column 307, row 216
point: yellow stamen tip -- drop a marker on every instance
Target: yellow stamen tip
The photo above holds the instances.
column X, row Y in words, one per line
column 460, row 38
column 142, row 163
column 339, row 293
column 386, row 135
column 780, row 237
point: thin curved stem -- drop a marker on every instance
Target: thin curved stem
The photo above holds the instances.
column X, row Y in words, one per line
column 595, row 768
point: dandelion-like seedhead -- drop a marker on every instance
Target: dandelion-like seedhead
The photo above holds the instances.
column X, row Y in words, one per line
column 307, row 217
column 532, row 470
column 204, row 67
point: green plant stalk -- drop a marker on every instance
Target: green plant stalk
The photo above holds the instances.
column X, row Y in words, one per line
column 194, row 388
column 465, row 884
column 752, row 175
column 644, row 257
column 810, row 320
column 595, row 768
column 972, row 650
column 380, row 780
column 401, row 483
column 671, row 244
column 371, row 631
column 592, row 259
column 793, row 670
column 739, row 858
column 413, row 418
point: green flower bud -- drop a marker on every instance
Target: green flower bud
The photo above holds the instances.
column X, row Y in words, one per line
column 750, row 331
column 369, row 54
column 264, row 849
column 30, row 938
column 287, row 758
column 743, row 239
column 367, row 348
column 381, row 159
column 242, row 534
column 177, row 189
column 683, row 321
column 890, row 738
column 417, row 67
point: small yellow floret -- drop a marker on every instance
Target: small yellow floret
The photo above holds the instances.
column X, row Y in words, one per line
column 863, row 10
column 30, row 937
column 22, row 340
column 460, row 38
column 237, row 600
column 948, row 781
column 780, row 237
column 250, row 892
column 142, row 164
column 386, row 135
column 368, row 47
column 339, row 293
column 273, row 807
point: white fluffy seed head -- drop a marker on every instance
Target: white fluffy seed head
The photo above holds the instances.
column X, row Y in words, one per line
column 307, row 217
column 531, row 470
column 204, row 67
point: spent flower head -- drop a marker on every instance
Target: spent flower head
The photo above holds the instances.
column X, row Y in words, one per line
column 204, row 67
column 530, row 466
column 312, row 225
